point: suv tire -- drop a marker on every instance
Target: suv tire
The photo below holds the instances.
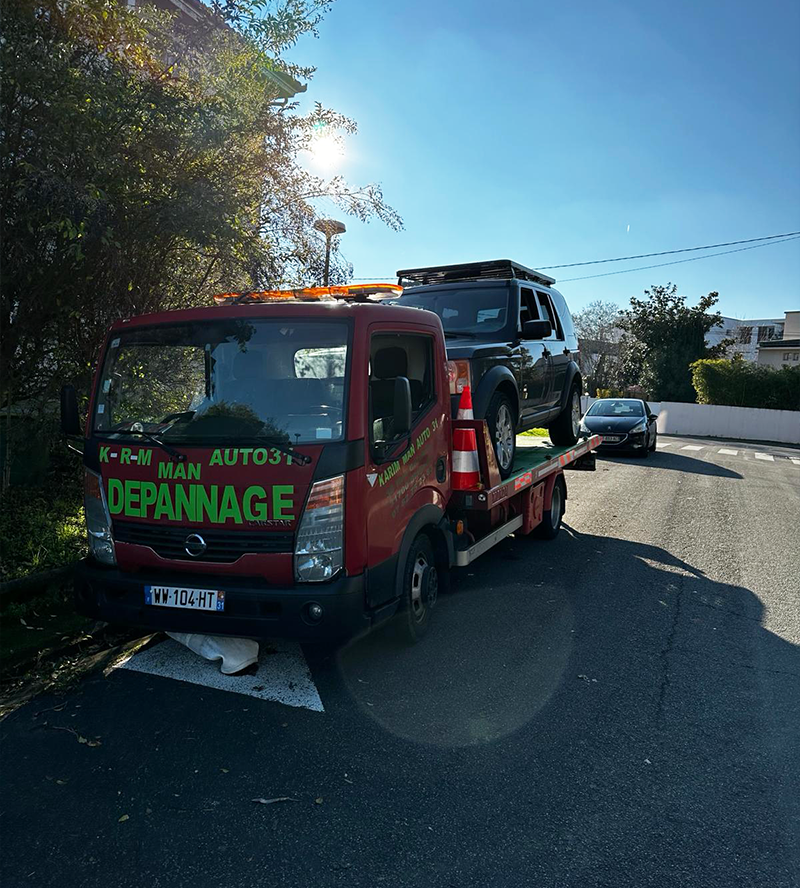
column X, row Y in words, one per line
column 566, row 428
column 503, row 432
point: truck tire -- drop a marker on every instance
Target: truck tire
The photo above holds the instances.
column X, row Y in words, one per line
column 503, row 431
column 419, row 592
column 551, row 519
column 566, row 428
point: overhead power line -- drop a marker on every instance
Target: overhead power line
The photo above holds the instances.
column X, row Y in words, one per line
column 760, row 241
column 586, row 277
column 751, row 240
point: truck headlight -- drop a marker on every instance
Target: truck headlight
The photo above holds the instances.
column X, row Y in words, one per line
column 319, row 547
column 98, row 521
column 639, row 427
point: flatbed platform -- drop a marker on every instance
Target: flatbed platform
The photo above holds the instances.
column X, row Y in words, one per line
column 535, row 459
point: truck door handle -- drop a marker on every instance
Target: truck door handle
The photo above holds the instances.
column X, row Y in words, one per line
column 441, row 469
column 546, row 353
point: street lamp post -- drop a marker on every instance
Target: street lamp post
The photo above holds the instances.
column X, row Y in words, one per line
column 329, row 227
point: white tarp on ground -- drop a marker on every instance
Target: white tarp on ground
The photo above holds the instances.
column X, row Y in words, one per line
column 282, row 677
column 236, row 653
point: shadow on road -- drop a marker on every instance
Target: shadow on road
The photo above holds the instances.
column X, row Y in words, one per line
column 675, row 461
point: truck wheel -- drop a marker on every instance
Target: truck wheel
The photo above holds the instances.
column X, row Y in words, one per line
column 551, row 519
column 420, row 590
column 566, row 428
column 503, row 432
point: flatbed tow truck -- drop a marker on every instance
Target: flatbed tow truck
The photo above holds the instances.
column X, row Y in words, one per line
column 286, row 464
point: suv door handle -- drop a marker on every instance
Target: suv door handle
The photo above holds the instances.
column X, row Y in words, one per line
column 546, row 352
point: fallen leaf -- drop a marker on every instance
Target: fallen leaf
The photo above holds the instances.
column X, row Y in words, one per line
column 648, row 762
column 123, row 818
column 62, row 782
column 225, row 770
column 348, row 781
column 272, row 801
column 319, row 800
column 93, row 743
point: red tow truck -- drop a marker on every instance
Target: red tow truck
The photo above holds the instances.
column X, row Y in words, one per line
column 282, row 464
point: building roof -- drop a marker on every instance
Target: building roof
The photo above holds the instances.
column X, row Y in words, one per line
column 780, row 343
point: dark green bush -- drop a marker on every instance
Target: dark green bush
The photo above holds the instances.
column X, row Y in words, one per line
column 42, row 527
column 739, row 383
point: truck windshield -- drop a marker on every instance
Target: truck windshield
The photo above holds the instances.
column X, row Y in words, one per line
column 470, row 310
column 226, row 380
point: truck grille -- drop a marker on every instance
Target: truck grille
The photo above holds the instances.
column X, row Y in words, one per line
column 223, row 546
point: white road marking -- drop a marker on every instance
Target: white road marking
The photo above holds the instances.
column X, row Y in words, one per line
column 283, row 675
column 795, row 461
column 766, row 456
column 693, row 447
column 661, row 445
column 727, row 451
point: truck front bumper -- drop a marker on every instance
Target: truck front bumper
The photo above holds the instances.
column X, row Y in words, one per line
column 252, row 610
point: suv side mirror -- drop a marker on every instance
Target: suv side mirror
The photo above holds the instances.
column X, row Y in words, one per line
column 653, row 417
column 402, row 406
column 70, row 420
column 537, row 329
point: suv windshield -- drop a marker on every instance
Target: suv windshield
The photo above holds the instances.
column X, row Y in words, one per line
column 616, row 408
column 226, row 380
column 464, row 310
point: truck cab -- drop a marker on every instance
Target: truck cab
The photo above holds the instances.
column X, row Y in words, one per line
column 262, row 467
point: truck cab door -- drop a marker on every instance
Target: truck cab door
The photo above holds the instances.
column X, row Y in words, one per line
column 405, row 473
column 533, row 360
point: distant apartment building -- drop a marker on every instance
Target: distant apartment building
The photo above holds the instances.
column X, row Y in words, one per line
column 784, row 351
column 747, row 335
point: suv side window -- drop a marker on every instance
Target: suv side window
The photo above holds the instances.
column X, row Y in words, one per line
column 392, row 355
column 549, row 312
column 528, row 310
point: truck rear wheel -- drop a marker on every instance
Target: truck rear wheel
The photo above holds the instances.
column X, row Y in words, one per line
column 419, row 593
column 551, row 519
column 566, row 428
column 503, row 432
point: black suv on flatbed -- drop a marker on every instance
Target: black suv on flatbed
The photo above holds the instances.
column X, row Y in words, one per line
column 510, row 337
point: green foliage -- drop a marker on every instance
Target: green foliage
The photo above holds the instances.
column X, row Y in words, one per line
column 42, row 527
column 663, row 337
column 740, row 383
column 147, row 164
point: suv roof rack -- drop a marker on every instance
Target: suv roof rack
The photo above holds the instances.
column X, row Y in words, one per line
column 471, row 271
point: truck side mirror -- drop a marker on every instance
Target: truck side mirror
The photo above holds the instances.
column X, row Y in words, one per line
column 70, row 420
column 402, row 406
column 537, row 329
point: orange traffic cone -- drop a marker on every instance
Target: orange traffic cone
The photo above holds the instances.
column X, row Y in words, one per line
column 465, row 404
column 466, row 469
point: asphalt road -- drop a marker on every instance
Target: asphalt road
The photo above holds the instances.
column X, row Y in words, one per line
column 618, row 707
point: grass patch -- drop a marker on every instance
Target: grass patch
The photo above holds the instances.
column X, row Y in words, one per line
column 42, row 527
column 536, row 433
column 40, row 624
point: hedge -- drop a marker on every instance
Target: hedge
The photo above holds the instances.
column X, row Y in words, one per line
column 739, row 383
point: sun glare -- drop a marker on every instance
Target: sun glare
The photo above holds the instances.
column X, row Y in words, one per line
column 327, row 149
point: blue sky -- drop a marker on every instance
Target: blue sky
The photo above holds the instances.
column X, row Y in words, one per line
column 541, row 131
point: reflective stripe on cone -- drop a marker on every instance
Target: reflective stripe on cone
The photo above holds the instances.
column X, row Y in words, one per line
column 465, row 404
column 466, row 468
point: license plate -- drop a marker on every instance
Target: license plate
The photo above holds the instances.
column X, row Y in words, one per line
column 612, row 439
column 178, row 596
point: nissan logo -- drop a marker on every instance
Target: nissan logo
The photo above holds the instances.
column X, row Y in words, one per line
column 194, row 545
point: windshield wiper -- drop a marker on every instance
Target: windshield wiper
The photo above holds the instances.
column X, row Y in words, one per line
column 173, row 453
column 460, row 333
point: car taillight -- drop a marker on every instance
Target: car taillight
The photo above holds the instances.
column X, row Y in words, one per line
column 458, row 376
column 319, row 547
column 98, row 521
